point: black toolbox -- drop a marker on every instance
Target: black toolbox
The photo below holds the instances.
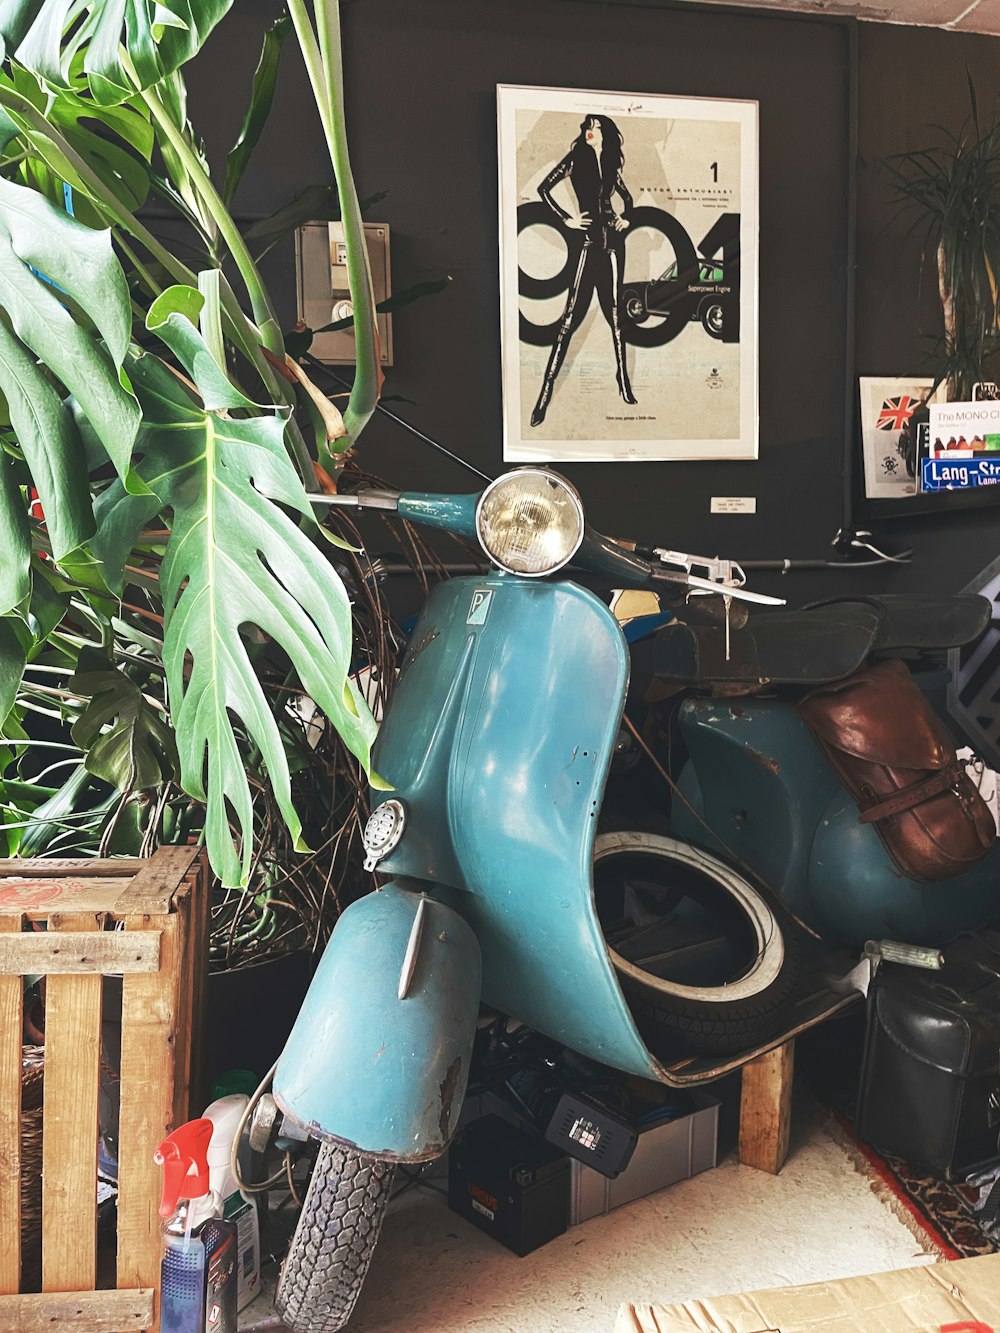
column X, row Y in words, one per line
column 930, row 1077
column 509, row 1183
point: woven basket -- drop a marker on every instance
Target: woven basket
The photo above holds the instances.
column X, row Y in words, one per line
column 32, row 1070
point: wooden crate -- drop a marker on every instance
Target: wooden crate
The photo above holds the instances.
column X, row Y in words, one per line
column 160, row 908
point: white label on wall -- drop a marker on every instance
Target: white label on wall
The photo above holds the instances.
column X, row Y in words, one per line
column 733, row 504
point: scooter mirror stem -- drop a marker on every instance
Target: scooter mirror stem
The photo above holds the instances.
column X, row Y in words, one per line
column 451, row 513
column 365, row 499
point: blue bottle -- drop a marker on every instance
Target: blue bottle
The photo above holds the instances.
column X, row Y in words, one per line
column 198, row 1276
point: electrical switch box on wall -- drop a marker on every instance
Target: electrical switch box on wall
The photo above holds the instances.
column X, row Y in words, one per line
column 323, row 290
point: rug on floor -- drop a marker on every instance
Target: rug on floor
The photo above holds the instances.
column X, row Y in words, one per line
column 942, row 1209
column 830, row 1059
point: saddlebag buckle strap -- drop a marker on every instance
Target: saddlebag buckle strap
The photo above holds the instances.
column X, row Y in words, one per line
column 907, row 797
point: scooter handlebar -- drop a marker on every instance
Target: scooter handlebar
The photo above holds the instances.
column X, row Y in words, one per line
column 625, row 562
column 600, row 555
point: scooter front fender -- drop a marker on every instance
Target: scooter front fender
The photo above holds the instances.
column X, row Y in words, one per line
column 363, row 1066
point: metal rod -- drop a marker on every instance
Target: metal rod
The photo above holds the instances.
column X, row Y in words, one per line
column 851, row 266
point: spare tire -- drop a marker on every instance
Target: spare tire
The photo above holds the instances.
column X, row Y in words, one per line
column 706, row 963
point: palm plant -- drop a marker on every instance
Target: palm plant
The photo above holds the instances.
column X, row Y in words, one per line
column 953, row 188
column 166, row 588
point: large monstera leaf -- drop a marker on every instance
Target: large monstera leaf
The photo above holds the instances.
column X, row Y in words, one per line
column 47, row 36
column 48, row 263
column 235, row 561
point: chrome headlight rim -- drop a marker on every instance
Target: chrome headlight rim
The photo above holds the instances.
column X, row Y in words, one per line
column 570, row 491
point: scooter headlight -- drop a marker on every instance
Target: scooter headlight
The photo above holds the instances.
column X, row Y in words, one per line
column 530, row 521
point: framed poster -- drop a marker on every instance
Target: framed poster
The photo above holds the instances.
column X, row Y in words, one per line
column 628, row 275
column 887, row 403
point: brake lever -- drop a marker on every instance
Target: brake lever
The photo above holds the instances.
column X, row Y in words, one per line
column 721, row 576
column 697, row 584
column 731, row 590
column 713, row 567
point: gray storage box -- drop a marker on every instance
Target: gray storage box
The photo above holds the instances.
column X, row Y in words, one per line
column 667, row 1152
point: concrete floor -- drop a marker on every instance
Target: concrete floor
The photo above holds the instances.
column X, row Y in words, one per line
column 729, row 1229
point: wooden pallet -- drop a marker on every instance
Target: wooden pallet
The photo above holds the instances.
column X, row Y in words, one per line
column 146, row 920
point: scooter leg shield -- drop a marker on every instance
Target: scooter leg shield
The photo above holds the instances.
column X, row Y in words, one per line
column 379, row 1055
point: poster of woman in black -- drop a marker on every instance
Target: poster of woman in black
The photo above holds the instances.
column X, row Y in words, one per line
column 628, row 275
column 593, row 166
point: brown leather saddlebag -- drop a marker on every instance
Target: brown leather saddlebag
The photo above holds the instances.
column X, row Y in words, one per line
column 896, row 758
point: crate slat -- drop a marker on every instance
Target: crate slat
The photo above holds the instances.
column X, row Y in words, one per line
column 184, row 1000
column 77, row 1312
column 150, row 1005
column 11, row 1022
column 152, row 887
column 201, row 925
column 45, row 867
column 37, row 898
column 70, row 1116
column 79, row 951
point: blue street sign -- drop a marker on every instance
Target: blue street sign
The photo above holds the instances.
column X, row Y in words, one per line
column 959, row 474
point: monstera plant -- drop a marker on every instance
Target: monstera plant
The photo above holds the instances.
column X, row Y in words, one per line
column 168, row 596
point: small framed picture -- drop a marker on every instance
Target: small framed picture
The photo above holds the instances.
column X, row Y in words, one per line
column 628, row 275
column 899, row 457
column 887, row 403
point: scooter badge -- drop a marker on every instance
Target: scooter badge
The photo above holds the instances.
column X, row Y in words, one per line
column 480, row 606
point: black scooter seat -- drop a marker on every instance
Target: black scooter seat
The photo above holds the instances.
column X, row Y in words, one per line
column 825, row 642
column 909, row 620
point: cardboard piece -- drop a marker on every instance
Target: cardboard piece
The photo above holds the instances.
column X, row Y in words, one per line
column 958, row 1297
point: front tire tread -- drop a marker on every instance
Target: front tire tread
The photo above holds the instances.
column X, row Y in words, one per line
column 334, row 1240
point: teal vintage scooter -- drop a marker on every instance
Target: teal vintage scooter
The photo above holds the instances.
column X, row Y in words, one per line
column 497, row 742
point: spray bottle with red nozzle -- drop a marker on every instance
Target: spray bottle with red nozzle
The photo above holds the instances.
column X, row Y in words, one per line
column 198, row 1272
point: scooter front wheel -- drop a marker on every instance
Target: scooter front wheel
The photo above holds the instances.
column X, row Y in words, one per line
column 701, row 956
column 334, row 1240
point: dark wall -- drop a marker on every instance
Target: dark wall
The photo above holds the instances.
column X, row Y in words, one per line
column 421, row 89
column 909, row 80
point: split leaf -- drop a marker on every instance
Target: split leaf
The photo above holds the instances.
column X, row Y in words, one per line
column 235, row 563
column 48, row 263
column 47, row 36
column 126, row 741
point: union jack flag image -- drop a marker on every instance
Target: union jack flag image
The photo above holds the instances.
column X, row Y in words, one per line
column 896, row 412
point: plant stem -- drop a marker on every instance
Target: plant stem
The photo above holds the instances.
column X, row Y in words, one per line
column 152, row 286
column 13, row 743
column 260, row 303
column 947, row 297
column 324, row 65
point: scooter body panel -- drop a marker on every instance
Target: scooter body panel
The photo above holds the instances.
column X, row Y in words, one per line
column 860, row 893
column 762, row 785
column 383, row 1074
column 498, row 742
